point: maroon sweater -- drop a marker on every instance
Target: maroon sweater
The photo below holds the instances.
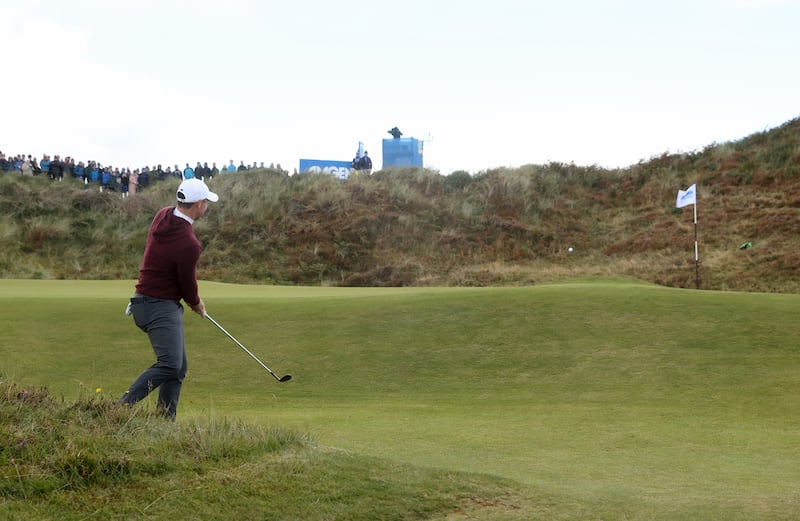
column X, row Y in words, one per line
column 169, row 267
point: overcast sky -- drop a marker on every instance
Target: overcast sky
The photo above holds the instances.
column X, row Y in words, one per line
column 485, row 84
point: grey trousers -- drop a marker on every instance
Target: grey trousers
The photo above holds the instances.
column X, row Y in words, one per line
column 162, row 320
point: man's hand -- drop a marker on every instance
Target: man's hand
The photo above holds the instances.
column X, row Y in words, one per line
column 200, row 308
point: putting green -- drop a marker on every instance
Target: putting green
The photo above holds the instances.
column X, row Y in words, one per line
column 610, row 391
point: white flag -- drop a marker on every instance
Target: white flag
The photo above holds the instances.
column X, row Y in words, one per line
column 687, row 197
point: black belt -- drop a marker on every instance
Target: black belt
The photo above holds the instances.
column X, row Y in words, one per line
column 141, row 299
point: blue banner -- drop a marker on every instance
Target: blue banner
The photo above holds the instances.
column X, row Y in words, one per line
column 340, row 169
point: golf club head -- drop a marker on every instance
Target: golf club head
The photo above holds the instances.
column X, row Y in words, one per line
column 285, row 378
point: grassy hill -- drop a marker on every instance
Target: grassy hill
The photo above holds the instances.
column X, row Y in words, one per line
column 419, row 228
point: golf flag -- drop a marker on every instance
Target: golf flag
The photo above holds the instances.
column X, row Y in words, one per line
column 687, row 197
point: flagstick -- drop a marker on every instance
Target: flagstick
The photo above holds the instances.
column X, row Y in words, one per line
column 696, row 252
column 685, row 198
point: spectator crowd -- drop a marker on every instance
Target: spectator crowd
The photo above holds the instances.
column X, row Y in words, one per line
column 122, row 180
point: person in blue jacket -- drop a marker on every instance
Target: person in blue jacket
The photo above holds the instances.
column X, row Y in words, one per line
column 105, row 180
column 365, row 163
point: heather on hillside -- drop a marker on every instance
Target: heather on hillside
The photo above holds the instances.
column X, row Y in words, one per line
column 416, row 227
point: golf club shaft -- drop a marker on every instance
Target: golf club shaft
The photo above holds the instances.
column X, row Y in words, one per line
column 254, row 357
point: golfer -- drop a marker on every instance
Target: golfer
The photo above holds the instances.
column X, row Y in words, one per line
column 167, row 275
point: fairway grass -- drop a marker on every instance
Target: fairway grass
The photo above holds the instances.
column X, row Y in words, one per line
column 606, row 399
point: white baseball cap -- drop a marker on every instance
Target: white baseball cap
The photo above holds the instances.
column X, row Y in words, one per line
column 193, row 190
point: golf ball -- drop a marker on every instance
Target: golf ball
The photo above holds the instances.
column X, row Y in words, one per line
column 569, row 249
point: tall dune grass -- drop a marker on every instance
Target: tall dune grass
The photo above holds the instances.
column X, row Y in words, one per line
column 315, row 229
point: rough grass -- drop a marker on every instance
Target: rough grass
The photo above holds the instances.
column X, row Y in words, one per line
column 93, row 459
column 415, row 227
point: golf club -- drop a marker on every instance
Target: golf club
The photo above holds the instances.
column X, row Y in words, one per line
column 284, row 378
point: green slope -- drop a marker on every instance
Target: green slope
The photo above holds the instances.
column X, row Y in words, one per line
column 622, row 399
